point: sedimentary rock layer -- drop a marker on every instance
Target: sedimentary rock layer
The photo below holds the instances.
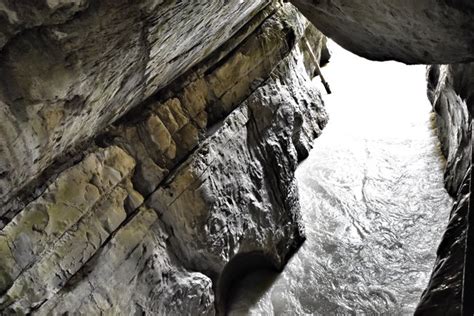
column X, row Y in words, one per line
column 153, row 217
column 422, row 31
column 70, row 68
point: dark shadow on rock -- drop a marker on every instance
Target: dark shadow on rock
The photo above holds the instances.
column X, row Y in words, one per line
column 235, row 271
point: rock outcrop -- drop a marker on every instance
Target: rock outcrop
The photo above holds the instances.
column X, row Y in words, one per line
column 179, row 195
column 451, row 90
column 422, row 31
column 70, row 68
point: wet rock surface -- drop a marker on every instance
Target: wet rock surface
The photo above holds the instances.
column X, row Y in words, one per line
column 423, row 31
column 450, row 89
column 148, row 218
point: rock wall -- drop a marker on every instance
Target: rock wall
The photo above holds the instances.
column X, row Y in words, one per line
column 181, row 194
column 421, row 32
column 70, row 68
column 451, row 90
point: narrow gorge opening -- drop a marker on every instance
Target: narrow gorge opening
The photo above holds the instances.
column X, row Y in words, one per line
column 372, row 197
column 149, row 155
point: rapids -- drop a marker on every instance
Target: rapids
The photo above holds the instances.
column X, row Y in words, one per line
column 372, row 199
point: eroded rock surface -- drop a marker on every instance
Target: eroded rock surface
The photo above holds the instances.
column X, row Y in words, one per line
column 451, row 90
column 422, row 31
column 70, row 68
column 152, row 215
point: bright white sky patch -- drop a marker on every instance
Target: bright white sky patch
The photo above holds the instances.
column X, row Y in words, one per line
column 387, row 98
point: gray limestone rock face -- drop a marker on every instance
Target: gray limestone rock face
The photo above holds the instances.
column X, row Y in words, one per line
column 421, row 31
column 70, row 68
column 133, row 273
column 173, row 200
column 236, row 195
column 451, row 91
column 17, row 16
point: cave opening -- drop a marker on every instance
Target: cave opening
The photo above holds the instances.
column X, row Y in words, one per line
column 372, row 197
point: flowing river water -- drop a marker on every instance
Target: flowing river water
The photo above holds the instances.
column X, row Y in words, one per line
column 372, row 199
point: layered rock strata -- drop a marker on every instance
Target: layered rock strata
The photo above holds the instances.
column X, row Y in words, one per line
column 179, row 195
column 70, row 68
column 451, row 90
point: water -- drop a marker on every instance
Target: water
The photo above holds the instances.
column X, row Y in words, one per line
column 372, row 199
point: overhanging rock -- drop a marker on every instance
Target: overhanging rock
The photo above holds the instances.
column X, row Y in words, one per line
column 413, row 32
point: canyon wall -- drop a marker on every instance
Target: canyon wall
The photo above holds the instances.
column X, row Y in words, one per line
column 70, row 68
column 148, row 148
column 148, row 158
column 451, row 91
